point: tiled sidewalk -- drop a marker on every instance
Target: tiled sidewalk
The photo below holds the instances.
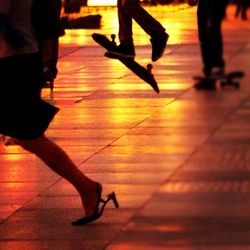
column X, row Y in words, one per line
column 179, row 161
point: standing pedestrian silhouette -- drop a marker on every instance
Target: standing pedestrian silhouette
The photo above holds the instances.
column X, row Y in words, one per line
column 210, row 14
column 129, row 10
column 24, row 115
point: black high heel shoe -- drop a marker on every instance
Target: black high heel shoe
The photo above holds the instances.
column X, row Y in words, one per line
column 98, row 211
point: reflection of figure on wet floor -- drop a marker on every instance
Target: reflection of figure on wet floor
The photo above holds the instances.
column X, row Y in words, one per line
column 24, row 115
column 129, row 10
column 210, row 14
column 241, row 9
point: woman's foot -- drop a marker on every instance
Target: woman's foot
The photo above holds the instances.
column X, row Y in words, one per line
column 91, row 199
column 93, row 211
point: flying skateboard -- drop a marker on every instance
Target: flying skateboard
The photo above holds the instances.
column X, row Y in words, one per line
column 229, row 79
column 143, row 73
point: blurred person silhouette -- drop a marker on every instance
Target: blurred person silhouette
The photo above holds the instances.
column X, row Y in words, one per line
column 24, row 115
column 73, row 6
column 129, row 10
column 210, row 14
column 241, row 9
column 49, row 48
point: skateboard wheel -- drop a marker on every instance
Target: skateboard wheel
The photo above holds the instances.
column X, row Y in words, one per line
column 150, row 67
column 236, row 85
column 225, row 83
column 113, row 36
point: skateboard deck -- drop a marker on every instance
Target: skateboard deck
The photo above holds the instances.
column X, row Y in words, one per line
column 229, row 79
column 143, row 73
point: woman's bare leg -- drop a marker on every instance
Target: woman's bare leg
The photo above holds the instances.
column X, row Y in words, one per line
column 57, row 159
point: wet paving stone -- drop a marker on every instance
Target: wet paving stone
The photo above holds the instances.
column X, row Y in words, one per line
column 179, row 161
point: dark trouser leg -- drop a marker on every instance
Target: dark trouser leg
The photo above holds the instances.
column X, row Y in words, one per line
column 203, row 32
column 131, row 9
column 244, row 9
column 217, row 14
column 210, row 16
column 125, row 23
column 238, row 8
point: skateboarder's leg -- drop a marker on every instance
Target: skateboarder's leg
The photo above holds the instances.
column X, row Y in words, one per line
column 238, row 8
column 210, row 15
column 131, row 9
column 125, row 23
column 244, row 9
column 217, row 15
column 241, row 9
column 203, row 16
column 149, row 24
column 126, row 47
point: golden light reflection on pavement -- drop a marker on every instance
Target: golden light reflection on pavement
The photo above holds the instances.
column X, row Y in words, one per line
column 178, row 20
column 170, row 16
column 101, row 3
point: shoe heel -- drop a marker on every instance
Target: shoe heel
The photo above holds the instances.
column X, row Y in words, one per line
column 112, row 197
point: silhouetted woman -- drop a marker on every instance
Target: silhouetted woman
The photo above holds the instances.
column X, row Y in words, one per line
column 24, row 115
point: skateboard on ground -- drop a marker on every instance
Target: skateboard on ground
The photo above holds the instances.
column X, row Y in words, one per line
column 143, row 73
column 229, row 79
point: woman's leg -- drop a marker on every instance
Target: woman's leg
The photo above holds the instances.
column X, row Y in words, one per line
column 57, row 159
